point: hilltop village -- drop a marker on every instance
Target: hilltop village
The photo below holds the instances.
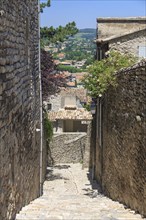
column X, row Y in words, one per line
column 73, row 56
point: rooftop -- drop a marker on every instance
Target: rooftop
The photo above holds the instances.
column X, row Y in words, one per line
column 71, row 84
column 73, row 114
column 100, row 40
column 121, row 19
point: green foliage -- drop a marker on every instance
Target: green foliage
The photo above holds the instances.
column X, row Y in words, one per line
column 89, row 60
column 79, row 48
column 76, row 55
column 102, row 74
column 48, row 127
column 43, row 5
column 52, row 35
column 87, row 106
column 70, row 69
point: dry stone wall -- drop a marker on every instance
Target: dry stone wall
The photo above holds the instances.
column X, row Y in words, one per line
column 67, row 148
column 19, row 105
column 123, row 149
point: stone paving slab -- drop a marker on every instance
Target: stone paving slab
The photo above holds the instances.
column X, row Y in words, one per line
column 68, row 195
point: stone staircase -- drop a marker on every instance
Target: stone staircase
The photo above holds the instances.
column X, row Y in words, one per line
column 69, row 195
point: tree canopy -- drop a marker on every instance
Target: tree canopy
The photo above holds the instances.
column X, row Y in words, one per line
column 51, row 83
column 70, row 69
column 43, row 5
column 54, row 35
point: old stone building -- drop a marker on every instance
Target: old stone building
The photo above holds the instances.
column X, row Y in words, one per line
column 21, row 173
column 71, row 118
column 127, row 35
column 66, row 110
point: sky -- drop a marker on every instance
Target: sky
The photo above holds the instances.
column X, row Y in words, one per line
column 85, row 12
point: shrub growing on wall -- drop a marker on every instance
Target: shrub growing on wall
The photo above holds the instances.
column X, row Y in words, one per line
column 48, row 127
column 102, row 74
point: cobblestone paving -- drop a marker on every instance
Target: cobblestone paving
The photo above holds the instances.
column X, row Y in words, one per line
column 69, row 195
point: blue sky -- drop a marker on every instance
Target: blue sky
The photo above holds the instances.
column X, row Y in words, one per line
column 85, row 12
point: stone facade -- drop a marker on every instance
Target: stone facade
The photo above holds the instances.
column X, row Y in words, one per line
column 129, row 43
column 57, row 101
column 19, row 106
column 120, row 151
column 127, row 35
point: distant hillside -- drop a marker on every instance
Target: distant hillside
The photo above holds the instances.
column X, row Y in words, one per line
column 86, row 33
column 87, row 30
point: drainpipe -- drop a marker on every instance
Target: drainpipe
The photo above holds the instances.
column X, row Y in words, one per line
column 100, row 121
column 41, row 113
column 100, row 137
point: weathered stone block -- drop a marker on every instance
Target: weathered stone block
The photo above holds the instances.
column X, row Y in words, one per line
column 67, row 148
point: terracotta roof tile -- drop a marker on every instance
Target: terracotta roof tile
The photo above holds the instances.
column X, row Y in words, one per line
column 78, row 114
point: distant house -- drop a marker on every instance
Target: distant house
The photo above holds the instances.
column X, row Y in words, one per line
column 57, row 62
column 126, row 35
column 79, row 64
column 71, row 118
column 71, row 84
column 66, row 112
column 79, row 77
column 51, row 48
column 61, row 56
column 66, row 63
column 56, row 101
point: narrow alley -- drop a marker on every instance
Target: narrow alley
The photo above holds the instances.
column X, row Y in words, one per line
column 70, row 194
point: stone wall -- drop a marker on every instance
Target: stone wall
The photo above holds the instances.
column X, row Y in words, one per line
column 115, row 26
column 129, row 43
column 121, row 150
column 67, row 148
column 19, row 106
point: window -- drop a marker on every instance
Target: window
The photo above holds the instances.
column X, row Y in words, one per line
column 142, row 51
column 49, row 106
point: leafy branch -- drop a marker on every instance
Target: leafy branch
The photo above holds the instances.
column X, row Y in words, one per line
column 43, row 5
column 56, row 35
column 102, row 74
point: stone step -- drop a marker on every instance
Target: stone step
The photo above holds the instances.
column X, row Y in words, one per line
column 64, row 212
column 74, row 199
column 75, row 216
